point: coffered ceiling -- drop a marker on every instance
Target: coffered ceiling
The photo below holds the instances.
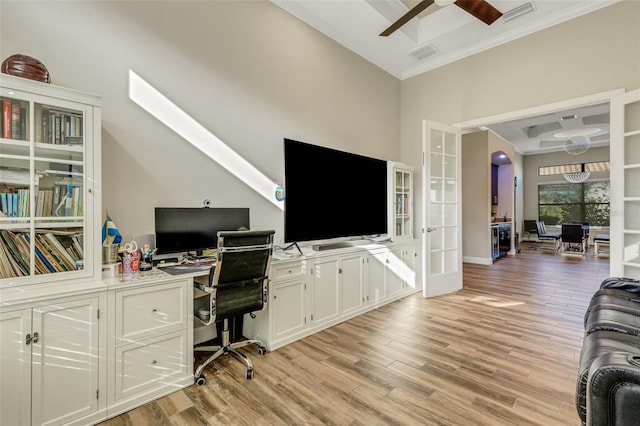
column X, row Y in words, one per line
column 549, row 132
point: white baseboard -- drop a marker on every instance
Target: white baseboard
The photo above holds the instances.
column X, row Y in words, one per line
column 478, row 260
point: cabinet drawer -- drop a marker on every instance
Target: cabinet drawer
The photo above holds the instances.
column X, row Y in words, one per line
column 142, row 312
column 287, row 271
column 153, row 363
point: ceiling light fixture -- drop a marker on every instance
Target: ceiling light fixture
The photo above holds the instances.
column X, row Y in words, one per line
column 577, row 145
column 577, row 177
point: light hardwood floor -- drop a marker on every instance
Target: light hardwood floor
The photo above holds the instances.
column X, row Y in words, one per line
column 502, row 351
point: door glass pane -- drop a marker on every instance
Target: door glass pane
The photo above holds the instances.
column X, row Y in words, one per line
column 631, row 248
column 632, row 215
column 436, row 142
column 436, row 190
column 632, row 175
column 436, row 165
column 450, row 218
column 436, row 239
column 450, row 190
column 450, row 144
column 450, row 261
column 435, row 218
column 450, row 167
column 632, row 149
column 450, row 238
column 632, row 117
column 436, row 262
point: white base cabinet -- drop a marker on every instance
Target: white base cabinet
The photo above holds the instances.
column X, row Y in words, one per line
column 317, row 291
column 50, row 363
column 150, row 341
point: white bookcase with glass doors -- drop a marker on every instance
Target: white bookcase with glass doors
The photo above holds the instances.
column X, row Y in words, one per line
column 400, row 202
column 49, row 183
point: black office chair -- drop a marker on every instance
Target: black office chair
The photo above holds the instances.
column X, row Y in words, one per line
column 529, row 228
column 573, row 239
column 543, row 236
column 238, row 285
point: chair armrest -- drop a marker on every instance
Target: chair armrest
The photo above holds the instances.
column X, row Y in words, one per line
column 613, row 389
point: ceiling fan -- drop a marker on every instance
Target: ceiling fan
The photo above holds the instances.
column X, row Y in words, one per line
column 481, row 9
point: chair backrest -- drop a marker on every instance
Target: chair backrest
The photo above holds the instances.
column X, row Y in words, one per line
column 541, row 228
column 530, row 226
column 241, row 272
column 572, row 233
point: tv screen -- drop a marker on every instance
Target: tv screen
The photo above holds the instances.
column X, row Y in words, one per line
column 331, row 193
column 186, row 229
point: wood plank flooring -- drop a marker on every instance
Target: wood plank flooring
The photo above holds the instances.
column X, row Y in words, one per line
column 502, row 351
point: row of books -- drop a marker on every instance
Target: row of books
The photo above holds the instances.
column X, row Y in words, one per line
column 13, row 124
column 402, row 204
column 53, row 126
column 61, row 200
column 54, row 252
column 15, row 204
column 58, row 127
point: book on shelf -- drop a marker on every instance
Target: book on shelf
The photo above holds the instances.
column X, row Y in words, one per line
column 16, row 128
column 8, row 241
column 6, row 118
column 51, row 253
column 6, row 268
column 59, row 127
column 4, row 204
column 53, row 245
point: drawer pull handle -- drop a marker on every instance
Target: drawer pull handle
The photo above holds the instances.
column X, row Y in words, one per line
column 154, row 310
column 154, row 362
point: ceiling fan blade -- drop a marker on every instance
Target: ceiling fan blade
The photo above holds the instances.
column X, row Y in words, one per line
column 412, row 13
column 481, row 9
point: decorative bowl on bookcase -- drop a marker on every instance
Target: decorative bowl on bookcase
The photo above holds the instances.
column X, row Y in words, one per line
column 26, row 67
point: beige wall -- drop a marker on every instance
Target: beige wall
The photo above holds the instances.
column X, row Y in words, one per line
column 477, row 148
column 590, row 54
column 253, row 75
column 246, row 70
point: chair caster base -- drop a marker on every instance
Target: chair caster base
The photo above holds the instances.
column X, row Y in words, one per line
column 262, row 350
column 249, row 375
column 200, row 381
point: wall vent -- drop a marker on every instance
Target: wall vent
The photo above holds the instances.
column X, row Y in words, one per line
column 425, row 52
column 516, row 12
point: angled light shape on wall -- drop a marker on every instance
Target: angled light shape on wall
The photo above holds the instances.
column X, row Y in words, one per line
column 159, row 106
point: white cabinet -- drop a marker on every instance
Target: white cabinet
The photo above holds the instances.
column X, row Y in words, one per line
column 315, row 291
column 352, row 282
column 49, row 363
column 376, row 263
column 150, row 341
column 323, row 285
column 400, row 201
column 391, row 273
column 288, row 307
column 49, row 183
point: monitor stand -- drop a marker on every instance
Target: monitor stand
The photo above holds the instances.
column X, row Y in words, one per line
column 291, row 245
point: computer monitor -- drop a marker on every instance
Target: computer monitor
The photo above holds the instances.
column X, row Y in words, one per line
column 188, row 229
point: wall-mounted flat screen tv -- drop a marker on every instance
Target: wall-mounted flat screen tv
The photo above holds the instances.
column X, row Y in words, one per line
column 331, row 193
column 191, row 229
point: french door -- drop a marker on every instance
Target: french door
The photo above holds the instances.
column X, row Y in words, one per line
column 441, row 209
column 625, row 191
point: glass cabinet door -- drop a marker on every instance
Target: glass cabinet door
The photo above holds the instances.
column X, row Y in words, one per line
column 42, row 186
column 400, row 200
